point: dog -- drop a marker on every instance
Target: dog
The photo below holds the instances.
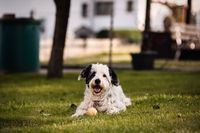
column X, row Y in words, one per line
column 102, row 92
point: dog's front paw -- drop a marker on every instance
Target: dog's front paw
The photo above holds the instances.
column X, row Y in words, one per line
column 75, row 115
column 78, row 113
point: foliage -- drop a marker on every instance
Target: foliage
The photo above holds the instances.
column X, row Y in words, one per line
column 104, row 33
column 128, row 35
column 162, row 102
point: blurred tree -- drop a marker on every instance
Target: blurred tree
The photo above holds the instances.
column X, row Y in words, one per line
column 147, row 28
column 56, row 60
column 188, row 15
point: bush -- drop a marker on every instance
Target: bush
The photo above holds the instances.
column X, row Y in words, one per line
column 129, row 35
column 103, row 33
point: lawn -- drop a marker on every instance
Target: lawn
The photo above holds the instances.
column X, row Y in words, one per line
column 125, row 58
column 162, row 102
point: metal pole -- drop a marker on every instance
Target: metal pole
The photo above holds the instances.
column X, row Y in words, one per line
column 111, row 35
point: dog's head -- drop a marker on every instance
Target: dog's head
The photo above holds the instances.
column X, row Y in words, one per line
column 99, row 78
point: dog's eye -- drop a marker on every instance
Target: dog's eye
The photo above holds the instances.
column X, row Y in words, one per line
column 104, row 76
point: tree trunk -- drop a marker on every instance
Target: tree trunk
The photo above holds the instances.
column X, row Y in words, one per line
column 56, row 60
column 147, row 18
column 147, row 28
column 188, row 13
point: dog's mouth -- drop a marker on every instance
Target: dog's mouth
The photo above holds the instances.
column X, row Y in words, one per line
column 97, row 88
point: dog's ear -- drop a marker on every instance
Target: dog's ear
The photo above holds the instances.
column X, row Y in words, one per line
column 85, row 72
column 114, row 79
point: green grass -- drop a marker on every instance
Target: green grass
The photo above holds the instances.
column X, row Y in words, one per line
column 183, row 64
column 102, row 57
column 125, row 58
column 31, row 103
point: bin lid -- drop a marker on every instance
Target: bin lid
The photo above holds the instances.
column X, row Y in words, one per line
column 20, row 21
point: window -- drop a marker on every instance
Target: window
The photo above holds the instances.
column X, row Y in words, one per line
column 84, row 10
column 103, row 8
column 129, row 6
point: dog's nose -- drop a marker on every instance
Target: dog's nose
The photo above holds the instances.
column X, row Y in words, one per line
column 97, row 81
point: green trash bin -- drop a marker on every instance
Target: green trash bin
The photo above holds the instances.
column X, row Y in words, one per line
column 19, row 45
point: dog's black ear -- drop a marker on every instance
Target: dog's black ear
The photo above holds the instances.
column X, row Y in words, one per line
column 85, row 72
column 114, row 79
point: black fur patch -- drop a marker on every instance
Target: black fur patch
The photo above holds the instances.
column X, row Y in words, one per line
column 89, row 77
column 86, row 71
column 87, row 74
column 114, row 79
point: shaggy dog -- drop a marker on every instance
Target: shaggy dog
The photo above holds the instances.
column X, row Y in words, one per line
column 102, row 92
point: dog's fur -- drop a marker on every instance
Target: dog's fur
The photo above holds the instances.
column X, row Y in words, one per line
column 102, row 92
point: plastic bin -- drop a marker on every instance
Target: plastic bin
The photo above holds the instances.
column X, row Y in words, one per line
column 143, row 61
column 19, row 45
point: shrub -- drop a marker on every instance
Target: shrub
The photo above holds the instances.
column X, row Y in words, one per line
column 130, row 35
column 104, row 33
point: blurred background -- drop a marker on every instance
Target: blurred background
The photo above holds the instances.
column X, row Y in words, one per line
column 171, row 37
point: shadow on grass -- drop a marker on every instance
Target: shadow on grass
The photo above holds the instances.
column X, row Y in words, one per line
column 18, row 122
column 40, row 118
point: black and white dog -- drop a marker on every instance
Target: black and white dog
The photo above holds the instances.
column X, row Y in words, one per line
column 102, row 92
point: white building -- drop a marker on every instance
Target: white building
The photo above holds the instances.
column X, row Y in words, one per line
column 95, row 14
column 128, row 14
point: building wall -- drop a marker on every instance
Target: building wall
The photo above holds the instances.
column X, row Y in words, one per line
column 122, row 18
column 198, row 18
column 75, row 18
column 158, row 14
